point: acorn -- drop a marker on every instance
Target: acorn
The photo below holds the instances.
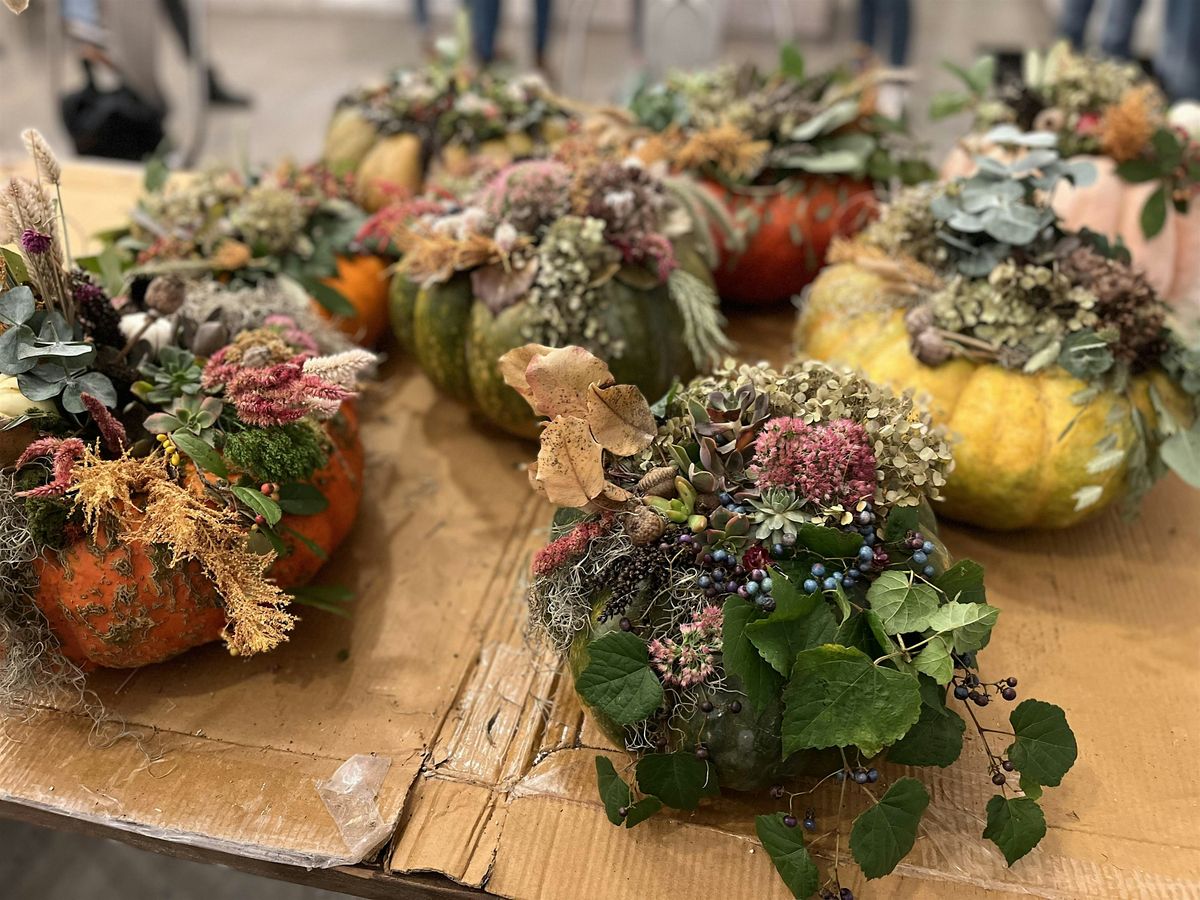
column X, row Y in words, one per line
column 659, row 482
column 643, row 525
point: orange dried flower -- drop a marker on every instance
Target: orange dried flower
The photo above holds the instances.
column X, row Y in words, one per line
column 1128, row 125
column 726, row 148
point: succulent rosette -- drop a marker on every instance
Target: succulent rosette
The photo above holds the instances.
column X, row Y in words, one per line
column 177, row 464
column 295, row 226
column 387, row 135
column 1108, row 111
column 792, row 159
column 748, row 584
column 578, row 248
column 1044, row 352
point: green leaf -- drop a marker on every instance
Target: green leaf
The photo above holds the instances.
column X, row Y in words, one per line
column 14, row 266
column 936, row 739
column 334, row 302
column 642, row 810
column 785, row 632
column 1015, row 825
column 741, row 658
column 884, row 834
column 838, row 698
column 618, row 680
column 968, row 625
column 330, row 598
column 1085, row 355
column 259, row 503
column 1030, row 788
column 934, row 660
column 900, row 521
column 614, row 792
column 678, row 779
column 902, row 603
column 791, row 62
column 1154, row 212
column 112, row 279
column 981, row 74
column 156, row 174
column 830, row 543
column 204, row 456
column 1137, row 171
column 963, row 582
column 1181, row 451
column 302, row 499
column 1045, row 748
column 948, row 103
column 786, row 848
column 1168, row 148
column 17, row 306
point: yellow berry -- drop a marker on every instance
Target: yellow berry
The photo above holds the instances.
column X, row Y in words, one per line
column 174, row 459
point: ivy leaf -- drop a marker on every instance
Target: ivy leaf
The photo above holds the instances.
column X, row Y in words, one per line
column 259, row 502
column 936, row 739
column 741, row 658
column 963, row 582
column 614, row 792
column 1181, row 451
column 786, row 848
column 1154, row 212
column 934, row 660
column 1015, row 825
column 1030, row 788
column 678, row 779
column 967, row 625
column 642, row 810
column 903, row 604
column 204, row 456
column 618, row 680
column 885, row 833
column 1137, row 171
column 302, row 499
column 829, row 543
column 784, row 633
column 1045, row 748
column 900, row 521
column 838, row 698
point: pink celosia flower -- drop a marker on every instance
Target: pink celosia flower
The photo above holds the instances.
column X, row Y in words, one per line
column 689, row 661
column 291, row 333
column 824, row 464
column 276, row 394
column 568, row 547
column 63, row 453
column 112, row 432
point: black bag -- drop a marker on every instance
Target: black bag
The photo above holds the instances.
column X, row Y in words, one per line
column 115, row 124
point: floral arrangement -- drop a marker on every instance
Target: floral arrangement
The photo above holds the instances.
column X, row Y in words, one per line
column 986, row 272
column 749, row 586
column 1093, row 106
column 290, row 224
column 167, row 457
column 749, row 127
column 553, row 233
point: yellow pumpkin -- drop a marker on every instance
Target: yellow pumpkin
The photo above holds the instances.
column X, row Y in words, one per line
column 1112, row 206
column 393, row 165
column 1019, row 460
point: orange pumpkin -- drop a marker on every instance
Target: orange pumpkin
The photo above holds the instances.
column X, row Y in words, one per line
column 121, row 605
column 783, row 232
column 1112, row 206
column 364, row 282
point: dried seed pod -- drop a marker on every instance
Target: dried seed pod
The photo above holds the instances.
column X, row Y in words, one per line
column 165, row 294
column 643, row 525
column 659, row 482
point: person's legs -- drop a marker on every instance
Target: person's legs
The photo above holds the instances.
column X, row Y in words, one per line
column 1116, row 38
column 485, row 19
column 542, row 11
column 898, row 27
column 1073, row 23
column 181, row 24
column 867, row 10
column 1178, row 59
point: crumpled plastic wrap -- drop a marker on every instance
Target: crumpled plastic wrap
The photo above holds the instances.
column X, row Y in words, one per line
column 350, row 795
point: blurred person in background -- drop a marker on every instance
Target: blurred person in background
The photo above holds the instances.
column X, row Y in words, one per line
column 1116, row 34
column 894, row 18
column 485, row 22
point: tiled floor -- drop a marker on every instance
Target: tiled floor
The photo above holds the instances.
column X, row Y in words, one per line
column 296, row 65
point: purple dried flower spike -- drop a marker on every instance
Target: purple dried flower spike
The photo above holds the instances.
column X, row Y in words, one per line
column 34, row 242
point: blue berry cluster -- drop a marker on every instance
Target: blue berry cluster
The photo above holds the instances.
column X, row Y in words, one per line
column 723, row 575
column 922, row 549
column 731, row 503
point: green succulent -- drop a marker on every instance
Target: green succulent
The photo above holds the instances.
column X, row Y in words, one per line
column 177, row 373
column 189, row 414
column 778, row 513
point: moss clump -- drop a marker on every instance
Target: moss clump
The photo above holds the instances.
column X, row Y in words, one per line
column 279, row 454
column 47, row 522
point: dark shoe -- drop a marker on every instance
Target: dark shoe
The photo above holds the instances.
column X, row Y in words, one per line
column 218, row 95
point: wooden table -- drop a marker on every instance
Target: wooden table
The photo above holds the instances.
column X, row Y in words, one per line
column 491, row 781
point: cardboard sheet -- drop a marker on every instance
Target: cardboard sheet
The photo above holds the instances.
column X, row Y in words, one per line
column 491, row 774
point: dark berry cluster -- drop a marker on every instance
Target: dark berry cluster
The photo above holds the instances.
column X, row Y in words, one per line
column 969, row 687
column 642, row 569
column 100, row 321
column 858, row 774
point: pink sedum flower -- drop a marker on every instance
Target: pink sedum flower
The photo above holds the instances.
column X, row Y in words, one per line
column 824, row 464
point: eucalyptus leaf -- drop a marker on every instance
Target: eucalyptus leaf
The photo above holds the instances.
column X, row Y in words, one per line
column 17, row 306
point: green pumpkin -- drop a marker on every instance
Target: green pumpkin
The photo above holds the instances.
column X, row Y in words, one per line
column 457, row 340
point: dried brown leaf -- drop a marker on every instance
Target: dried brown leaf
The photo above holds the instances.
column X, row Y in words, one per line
column 559, row 381
column 570, row 463
column 513, row 365
column 620, row 418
